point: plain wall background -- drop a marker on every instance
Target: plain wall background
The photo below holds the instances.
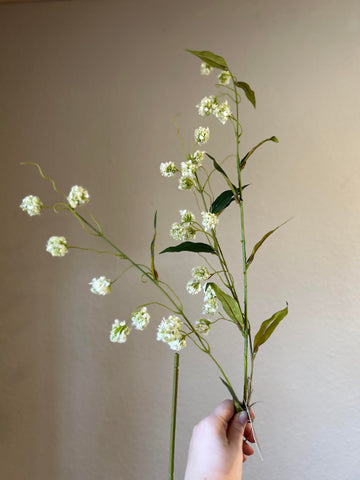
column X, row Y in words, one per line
column 88, row 89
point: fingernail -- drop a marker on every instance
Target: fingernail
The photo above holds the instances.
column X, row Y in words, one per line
column 243, row 418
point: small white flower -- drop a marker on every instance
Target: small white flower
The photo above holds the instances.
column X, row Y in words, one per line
column 224, row 77
column 207, row 105
column 203, row 326
column 188, row 169
column 209, row 220
column 209, row 292
column 178, row 344
column 119, row 332
column 193, row 287
column 31, row 205
column 200, row 273
column 197, row 157
column 140, row 318
column 78, row 196
column 168, row 169
column 202, row 135
column 57, row 246
column 100, row 286
column 205, row 69
column 177, row 231
column 210, row 307
column 187, row 217
column 222, row 112
column 185, row 183
column 169, row 329
column 189, row 233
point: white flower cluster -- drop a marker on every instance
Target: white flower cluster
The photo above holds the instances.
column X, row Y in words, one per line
column 205, row 69
column 210, row 105
column 184, row 230
column 100, row 286
column 203, row 326
column 202, row 135
column 169, row 331
column 78, row 196
column 119, row 332
column 57, row 246
column 198, row 274
column 31, row 205
column 209, row 220
column 140, row 318
column 224, row 77
column 168, row 169
column 211, row 305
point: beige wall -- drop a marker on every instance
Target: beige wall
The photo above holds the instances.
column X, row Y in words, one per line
column 88, row 90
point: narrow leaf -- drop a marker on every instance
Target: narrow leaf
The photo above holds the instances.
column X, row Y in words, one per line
column 238, row 405
column 250, row 94
column 258, row 245
column 245, row 159
column 268, row 327
column 196, row 247
column 152, row 250
column 210, row 58
column 224, row 200
column 223, row 173
column 229, row 304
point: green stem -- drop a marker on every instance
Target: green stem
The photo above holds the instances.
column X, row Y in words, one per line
column 173, row 416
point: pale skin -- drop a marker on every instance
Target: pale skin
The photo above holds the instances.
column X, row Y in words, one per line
column 219, row 445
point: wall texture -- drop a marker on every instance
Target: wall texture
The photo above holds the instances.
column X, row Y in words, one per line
column 88, row 89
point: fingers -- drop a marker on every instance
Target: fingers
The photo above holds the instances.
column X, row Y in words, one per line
column 224, row 411
column 236, row 430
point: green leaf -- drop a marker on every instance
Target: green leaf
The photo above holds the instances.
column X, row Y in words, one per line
column 229, row 304
column 224, row 200
column 210, row 58
column 196, row 247
column 245, row 159
column 239, row 406
column 250, row 94
column 223, row 173
column 152, row 250
column 268, row 327
column 258, row 245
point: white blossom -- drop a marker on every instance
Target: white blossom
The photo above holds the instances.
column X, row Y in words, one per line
column 202, row 135
column 210, row 307
column 207, row 105
column 57, row 246
column 189, row 233
column 209, row 220
column 188, row 169
column 200, row 273
column 169, row 329
column 209, row 292
column 168, row 169
column 178, row 344
column 187, row 217
column 31, row 205
column 222, row 112
column 205, row 69
column 119, row 332
column 140, row 318
column 203, row 326
column 197, row 157
column 100, row 286
column 185, row 183
column 224, row 77
column 177, row 231
column 193, row 287
column 78, row 196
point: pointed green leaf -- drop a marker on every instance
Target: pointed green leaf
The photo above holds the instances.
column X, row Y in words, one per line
column 223, row 173
column 224, row 200
column 258, row 245
column 152, row 250
column 245, row 159
column 196, row 247
column 250, row 94
column 238, row 405
column 210, row 58
column 229, row 304
column 268, row 327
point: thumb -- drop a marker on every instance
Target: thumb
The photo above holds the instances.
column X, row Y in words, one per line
column 236, row 429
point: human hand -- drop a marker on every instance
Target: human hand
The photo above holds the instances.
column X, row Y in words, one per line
column 218, row 445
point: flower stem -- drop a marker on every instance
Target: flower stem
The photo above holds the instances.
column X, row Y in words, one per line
column 173, row 416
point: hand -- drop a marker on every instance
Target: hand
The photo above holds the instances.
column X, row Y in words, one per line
column 218, row 445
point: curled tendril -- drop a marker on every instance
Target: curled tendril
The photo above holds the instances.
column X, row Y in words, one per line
column 93, row 219
column 44, row 176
